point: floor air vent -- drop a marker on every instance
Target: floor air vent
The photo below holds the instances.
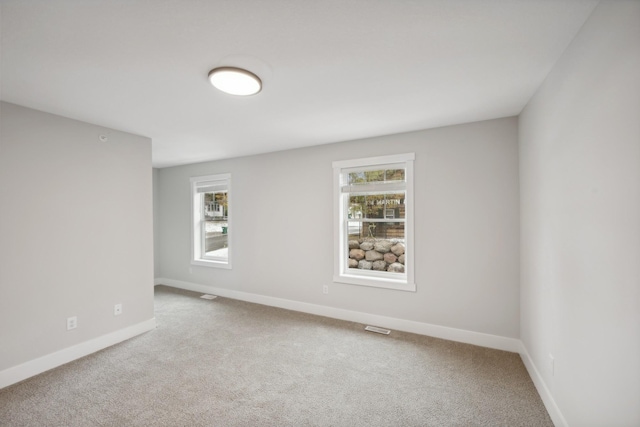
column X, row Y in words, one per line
column 377, row 330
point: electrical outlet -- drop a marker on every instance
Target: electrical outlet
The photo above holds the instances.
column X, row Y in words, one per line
column 553, row 364
column 72, row 323
column 325, row 289
column 117, row 309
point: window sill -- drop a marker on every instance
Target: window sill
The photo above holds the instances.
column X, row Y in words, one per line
column 211, row 263
column 398, row 285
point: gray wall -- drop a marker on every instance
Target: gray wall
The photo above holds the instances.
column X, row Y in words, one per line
column 75, row 232
column 580, row 190
column 156, row 224
column 467, row 222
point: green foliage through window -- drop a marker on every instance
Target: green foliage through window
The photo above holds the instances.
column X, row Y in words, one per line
column 382, row 175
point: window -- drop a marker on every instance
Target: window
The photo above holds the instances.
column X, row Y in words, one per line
column 211, row 220
column 374, row 221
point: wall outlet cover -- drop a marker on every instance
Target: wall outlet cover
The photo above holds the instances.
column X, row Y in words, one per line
column 72, row 323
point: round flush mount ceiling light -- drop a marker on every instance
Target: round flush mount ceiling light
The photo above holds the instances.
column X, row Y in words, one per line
column 235, row 81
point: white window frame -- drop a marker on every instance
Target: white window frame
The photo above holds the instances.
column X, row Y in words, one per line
column 342, row 273
column 198, row 257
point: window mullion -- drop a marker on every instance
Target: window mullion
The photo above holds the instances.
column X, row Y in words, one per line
column 374, row 188
column 376, row 220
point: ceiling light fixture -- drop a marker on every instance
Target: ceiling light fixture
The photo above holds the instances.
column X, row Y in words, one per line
column 235, row 81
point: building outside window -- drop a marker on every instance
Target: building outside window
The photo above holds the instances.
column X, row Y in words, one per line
column 211, row 220
column 374, row 221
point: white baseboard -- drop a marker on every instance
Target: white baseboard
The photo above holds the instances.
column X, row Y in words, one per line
column 34, row 367
column 452, row 334
column 543, row 390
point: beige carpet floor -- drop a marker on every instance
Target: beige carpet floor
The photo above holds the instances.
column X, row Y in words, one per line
column 230, row 363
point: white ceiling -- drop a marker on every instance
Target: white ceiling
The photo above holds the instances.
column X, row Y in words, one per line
column 333, row 70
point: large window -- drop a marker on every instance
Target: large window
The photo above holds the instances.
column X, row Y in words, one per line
column 374, row 221
column 211, row 220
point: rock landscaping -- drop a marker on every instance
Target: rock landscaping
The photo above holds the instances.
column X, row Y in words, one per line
column 377, row 254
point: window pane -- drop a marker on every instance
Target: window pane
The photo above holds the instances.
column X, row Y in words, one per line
column 216, row 205
column 378, row 246
column 356, row 206
column 356, row 178
column 394, row 175
column 382, row 230
column 374, row 206
column 381, row 175
column 354, row 229
column 380, row 206
column 364, row 177
column 394, row 206
column 216, row 233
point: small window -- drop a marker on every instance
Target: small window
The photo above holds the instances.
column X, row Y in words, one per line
column 374, row 221
column 211, row 220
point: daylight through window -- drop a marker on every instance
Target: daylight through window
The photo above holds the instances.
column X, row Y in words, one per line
column 374, row 221
column 211, row 221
